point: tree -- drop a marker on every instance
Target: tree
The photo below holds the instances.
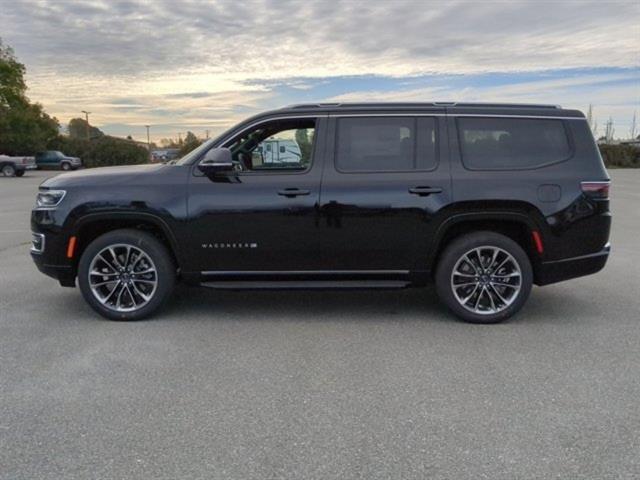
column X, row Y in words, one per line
column 12, row 85
column 305, row 143
column 609, row 130
column 77, row 128
column 24, row 127
column 169, row 143
column 191, row 142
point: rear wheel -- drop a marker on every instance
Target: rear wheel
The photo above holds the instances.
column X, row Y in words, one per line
column 484, row 277
column 8, row 170
column 126, row 274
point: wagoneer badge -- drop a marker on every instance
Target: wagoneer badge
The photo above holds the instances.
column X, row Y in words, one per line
column 230, row 245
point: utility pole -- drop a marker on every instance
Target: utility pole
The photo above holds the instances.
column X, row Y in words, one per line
column 86, row 116
column 632, row 131
column 148, row 140
column 207, row 131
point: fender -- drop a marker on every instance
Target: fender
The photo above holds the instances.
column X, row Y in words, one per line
column 142, row 216
column 458, row 218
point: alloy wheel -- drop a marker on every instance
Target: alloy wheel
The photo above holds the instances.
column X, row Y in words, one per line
column 486, row 280
column 123, row 277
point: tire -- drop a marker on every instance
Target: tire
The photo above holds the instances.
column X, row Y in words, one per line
column 19, row 173
column 487, row 292
column 116, row 294
column 66, row 166
column 8, row 170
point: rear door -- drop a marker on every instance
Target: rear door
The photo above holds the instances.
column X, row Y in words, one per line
column 385, row 178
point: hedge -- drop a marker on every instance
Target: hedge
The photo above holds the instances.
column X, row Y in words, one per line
column 620, row 156
column 102, row 151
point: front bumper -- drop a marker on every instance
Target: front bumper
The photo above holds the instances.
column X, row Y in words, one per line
column 63, row 273
column 49, row 247
column 567, row 268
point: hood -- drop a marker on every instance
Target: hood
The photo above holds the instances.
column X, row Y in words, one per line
column 103, row 176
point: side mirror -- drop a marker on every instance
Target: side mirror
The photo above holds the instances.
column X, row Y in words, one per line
column 216, row 160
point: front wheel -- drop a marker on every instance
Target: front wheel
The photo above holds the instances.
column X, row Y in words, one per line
column 66, row 166
column 484, row 277
column 126, row 274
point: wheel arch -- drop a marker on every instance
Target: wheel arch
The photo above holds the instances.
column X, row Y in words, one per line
column 91, row 226
column 517, row 225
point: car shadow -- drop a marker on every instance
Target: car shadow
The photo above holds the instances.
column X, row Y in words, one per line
column 307, row 305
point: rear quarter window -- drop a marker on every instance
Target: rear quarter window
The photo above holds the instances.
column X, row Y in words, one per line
column 512, row 143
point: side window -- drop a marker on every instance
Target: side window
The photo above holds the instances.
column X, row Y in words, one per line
column 385, row 144
column 282, row 145
column 512, row 143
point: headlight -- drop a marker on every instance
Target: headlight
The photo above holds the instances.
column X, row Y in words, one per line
column 50, row 198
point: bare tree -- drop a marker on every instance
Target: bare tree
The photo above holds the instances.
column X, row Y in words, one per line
column 591, row 120
column 609, row 131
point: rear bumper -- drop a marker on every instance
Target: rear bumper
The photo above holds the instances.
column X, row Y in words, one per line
column 567, row 268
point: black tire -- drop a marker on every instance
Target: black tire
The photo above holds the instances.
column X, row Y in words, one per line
column 8, row 170
column 66, row 166
column 149, row 245
column 19, row 173
column 467, row 244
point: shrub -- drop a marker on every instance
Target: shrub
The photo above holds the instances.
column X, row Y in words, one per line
column 624, row 156
column 101, row 152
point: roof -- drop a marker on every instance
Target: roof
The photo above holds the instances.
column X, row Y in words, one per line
column 433, row 107
column 386, row 105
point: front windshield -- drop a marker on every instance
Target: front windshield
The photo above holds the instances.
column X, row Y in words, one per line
column 194, row 153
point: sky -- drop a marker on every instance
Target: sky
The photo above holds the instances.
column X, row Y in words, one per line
column 205, row 65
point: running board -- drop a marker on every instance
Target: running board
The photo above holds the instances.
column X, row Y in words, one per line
column 305, row 284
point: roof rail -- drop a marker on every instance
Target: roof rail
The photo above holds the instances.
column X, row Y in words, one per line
column 420, row 104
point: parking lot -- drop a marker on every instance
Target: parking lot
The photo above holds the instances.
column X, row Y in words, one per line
column 345, row 385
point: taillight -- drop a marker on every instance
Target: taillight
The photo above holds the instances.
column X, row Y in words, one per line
column 598, row 190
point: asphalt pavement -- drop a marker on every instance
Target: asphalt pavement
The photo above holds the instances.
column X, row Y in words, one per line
column 320, row 385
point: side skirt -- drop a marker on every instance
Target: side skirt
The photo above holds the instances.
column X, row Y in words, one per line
column 324, row 280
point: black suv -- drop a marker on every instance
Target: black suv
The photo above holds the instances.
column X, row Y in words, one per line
column 484, row 199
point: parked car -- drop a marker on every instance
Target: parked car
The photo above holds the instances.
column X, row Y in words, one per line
column 165, row 155
column 15, row 166
column 55, row 159
column 483, row 199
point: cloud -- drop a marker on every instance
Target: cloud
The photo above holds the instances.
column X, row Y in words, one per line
column 236, row 56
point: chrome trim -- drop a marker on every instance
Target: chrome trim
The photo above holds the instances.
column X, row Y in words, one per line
column 50, row 207
column 42, row 238
column 222, row 141
column 474, row 115
column 305, row 272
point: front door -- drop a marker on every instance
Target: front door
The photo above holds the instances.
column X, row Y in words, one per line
column 263, row 216
column 385, row 180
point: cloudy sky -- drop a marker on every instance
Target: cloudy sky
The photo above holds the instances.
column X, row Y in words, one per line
column 198, row 65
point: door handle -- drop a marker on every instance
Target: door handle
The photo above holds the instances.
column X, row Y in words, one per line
column 293, row 192
column 424, row 191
